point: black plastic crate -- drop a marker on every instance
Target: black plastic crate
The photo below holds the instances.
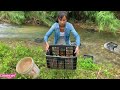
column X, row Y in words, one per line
column 61, row 57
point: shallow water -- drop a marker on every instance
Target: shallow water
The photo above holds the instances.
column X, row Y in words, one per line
column 26, row 32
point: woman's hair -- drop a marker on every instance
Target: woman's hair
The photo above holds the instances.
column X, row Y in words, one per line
column 61, row 14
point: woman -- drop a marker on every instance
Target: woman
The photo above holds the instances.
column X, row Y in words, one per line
column 62, row 29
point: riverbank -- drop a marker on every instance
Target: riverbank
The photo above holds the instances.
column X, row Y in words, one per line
column 92, row 43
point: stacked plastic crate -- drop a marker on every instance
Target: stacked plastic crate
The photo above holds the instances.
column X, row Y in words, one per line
column 61, row 57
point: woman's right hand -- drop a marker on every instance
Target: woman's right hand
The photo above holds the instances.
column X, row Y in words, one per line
column 47, row 46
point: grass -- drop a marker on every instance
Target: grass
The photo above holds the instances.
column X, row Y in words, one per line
column 107, row 21
column 86, row 68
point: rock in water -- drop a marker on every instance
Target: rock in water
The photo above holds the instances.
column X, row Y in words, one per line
column 117, row 49
column 113, row 47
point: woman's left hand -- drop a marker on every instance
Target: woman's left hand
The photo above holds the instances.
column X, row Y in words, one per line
column 77, row 50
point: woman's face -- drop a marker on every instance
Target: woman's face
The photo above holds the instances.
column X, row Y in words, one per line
column 62, row 21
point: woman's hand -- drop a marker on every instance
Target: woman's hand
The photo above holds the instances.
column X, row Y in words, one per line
column 77, row 50
column 47, row 47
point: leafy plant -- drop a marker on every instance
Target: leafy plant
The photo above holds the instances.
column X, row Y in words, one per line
column 46, row 17
column 88, row 64
column 106, row 20
column 16, row 17
column 90, row 15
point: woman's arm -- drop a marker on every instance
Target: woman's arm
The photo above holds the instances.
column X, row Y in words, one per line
column 47, row 35
column 77, row 37
column 75, row 34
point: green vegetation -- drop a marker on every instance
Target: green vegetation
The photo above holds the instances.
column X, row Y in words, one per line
column 105, row 20
column 20, row 17
column 88, row 64
column 45, row 17
column 86, row 68
column 16, row 17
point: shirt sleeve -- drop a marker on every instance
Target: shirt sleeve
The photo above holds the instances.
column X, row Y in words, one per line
column 75, row 34
column 49, row 32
